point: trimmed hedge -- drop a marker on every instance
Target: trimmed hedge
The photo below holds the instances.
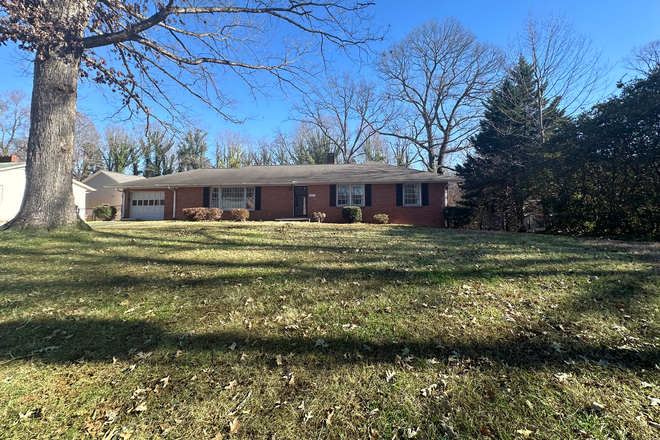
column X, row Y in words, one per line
column 382, row 219
column 457, row 216
column 202, row 214
column 240, row 215
column 105, row 213
column 352, row 213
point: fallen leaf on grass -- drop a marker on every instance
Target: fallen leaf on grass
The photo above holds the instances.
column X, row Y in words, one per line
column 231, row 385
column 321, row 343
column 278, row 359
column 654, row 401
column 525, row 432
column 389, row 374
column 374, row 434
column 410, row 433
column 329, row 416
column 233, row 346
column 234, row 425
column 430, row 390
column 484, row 431
column 597, row 407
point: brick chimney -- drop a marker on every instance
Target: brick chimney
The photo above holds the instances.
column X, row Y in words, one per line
column 11, row 158
column 331, row 158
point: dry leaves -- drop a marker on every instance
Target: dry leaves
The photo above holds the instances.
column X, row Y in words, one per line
column 234, row 425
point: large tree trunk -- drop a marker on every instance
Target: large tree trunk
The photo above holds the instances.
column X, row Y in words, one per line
column 48, row 198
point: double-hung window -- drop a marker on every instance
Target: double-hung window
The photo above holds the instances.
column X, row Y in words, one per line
column 411, row 194
column 232, row 198
column 350, row 195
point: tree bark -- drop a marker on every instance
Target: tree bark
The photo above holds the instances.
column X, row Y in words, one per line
column 48, row 201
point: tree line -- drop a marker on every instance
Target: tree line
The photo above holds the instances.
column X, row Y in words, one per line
column 597, row 172
column 425, row 106
column 421, row 108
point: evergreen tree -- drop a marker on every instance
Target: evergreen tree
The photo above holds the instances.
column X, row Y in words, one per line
column 603, row 171
column 499, row 175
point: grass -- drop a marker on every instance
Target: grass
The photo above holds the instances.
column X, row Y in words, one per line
column 320, row 331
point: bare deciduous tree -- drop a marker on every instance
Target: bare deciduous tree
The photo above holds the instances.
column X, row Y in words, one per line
column 566, row 67
column 438, row 76
column 232, row 149
column 136, row 47
column 87, row 157
column 347, row 112
column 120, row 150
column 644, row 59
column 14, row 121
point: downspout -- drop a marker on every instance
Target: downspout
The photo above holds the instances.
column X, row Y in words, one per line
column 123, row 202
column 173, row 201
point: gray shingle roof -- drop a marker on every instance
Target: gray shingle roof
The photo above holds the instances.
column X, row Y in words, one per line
column 4, row 165
column 369, row 172
column 117, row 177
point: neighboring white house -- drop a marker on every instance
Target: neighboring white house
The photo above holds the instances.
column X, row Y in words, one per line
column 12, row 187
column 105, row 196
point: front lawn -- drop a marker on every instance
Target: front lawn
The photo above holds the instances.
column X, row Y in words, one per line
column 321, row 331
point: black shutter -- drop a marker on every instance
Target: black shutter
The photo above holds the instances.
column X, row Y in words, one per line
column 399, row 194
column 206, row 196
column 425, row 194
column 333, row 195
column 367, row 194
column 257, row 198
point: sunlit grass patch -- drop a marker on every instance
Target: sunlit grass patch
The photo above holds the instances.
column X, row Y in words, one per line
column 255, row 330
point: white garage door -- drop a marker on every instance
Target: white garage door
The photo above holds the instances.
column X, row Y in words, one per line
column 148, row 205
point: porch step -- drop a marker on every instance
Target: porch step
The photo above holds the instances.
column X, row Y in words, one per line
column 293, row 219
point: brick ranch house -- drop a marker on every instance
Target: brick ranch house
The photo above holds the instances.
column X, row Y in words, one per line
column 274, row 192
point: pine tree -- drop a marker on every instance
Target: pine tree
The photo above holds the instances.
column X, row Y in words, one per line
column 499, row 175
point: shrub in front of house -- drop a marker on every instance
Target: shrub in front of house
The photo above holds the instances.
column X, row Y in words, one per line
column 202, row 214
column 381, row 219
column 240, row 215
column 353, row 214
column 105, row 213
column 457, row 216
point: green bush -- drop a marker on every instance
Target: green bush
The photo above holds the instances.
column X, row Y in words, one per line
column 352, row 213
column 240, row 215
column 202, row 214
column 382, row 219
column 457, row 216
column 105, row 213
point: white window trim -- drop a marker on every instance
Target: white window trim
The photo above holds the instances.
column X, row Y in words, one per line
column 350, row 194
column 220, row 188
column 419, row 194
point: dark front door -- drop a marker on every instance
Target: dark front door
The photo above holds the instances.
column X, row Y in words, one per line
column 299, row 201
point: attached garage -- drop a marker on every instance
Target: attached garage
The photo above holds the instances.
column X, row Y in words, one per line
column 147, row 205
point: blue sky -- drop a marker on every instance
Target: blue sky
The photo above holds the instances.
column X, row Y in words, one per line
column 615, row 27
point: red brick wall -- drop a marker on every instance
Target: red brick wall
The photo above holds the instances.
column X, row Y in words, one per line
column 383, row 201
column 277, row 202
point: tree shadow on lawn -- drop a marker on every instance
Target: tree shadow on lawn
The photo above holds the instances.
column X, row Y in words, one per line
column 64, row 341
